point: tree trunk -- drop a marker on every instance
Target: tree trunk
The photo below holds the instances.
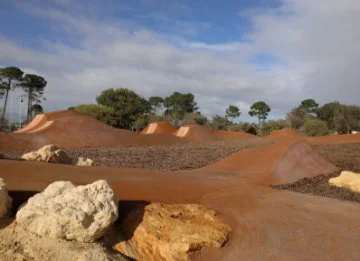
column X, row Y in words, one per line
column 29, row 106
column 4, row 111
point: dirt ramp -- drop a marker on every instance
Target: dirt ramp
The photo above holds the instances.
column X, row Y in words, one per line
column 284, row 132
column 233, row 134
column 195, row 132
column 37, row 122
column 159, row 127
column 299, row 162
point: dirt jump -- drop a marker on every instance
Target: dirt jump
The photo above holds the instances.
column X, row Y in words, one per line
column 267, row 224
column 159, row 127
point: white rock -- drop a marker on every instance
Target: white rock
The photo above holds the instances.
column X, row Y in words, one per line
column 48, row 153
column 84, row 162
column 65, row 211
column 5, row 200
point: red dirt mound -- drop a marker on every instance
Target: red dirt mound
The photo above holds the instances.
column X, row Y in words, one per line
column 284, row 132
column 195, row 132
column 159, row 127
column 233, row 134
column 70, row 129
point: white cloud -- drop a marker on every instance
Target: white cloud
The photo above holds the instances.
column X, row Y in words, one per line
column 318, row 42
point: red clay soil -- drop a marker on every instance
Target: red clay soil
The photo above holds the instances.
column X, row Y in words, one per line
column 267, row 224
column 194, row 132
column 74, row 130
column 159, row 127
column 335, row 139
column 233, row 134
column 284, row 132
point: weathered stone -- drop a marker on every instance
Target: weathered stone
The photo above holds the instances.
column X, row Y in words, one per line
column 84, row 162
column 48, row 153
column 170, row 232
column 348, row 180
column 5, row 199
column 65, row 211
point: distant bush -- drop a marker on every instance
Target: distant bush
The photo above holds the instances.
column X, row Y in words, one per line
column 244, row 127
column 71, row 108
column 194, row 118
column 315, row 128
column 99, row 112
column 272, row 125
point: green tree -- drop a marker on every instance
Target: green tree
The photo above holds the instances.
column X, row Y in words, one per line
column 233, row 112
column 297, row 117
column 99, row 112
column 309, row 106
column 34, row 86
column 315, row 128
column 220, row 123
column 37, row 109
column 179, row 104
column 194, row 118
column 156, row 103
column 261, row 110
column 9, row 79
column 127, row 105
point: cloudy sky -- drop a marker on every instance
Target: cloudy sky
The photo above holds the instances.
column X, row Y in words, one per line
column 225, row 52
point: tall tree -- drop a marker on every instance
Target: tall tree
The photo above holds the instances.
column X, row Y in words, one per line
column 178, row 104
column 261, row 110
column 156, row 103
column 233, row 112
column 127, row 105
column 9, row 79
column 309, row 106
column 34, row 86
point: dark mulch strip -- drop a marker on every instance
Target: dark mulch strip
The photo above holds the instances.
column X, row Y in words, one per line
column 169, row 157
column 345, row 157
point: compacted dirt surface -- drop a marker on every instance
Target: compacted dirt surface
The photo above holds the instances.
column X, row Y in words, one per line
column 345, row 157
column 163, row 157
column 267, row 223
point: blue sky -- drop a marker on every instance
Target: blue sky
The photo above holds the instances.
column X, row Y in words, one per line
column 225, row 52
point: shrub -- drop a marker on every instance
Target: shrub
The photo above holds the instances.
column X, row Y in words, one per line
column 99, row 112
column 315, row 128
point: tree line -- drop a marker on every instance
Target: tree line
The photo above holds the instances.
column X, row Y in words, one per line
column 33, row 86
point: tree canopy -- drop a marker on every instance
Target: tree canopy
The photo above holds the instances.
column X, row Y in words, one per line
column 309, row 106
column 178, row 104
column 260, row 109
column 233, row 112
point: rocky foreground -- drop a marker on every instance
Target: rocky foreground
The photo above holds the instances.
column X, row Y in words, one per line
column 68, row 222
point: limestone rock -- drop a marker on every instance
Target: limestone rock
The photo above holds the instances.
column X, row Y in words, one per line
column 347, row 179
column 84, row 162
column 65, row 211
column 48, row 153
column 170, row 232
column 5, row 199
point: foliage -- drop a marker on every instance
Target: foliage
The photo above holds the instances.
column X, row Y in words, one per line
column 34, row 86
column 179, row 104
column 260, row 109
column 194, row 118
column 296, row 118
column 37, row 109
column 309, row 106
column 9, row 79
column 244, row 127
column 233, row 112
column 127, row 105
column 156, row 104
column 272, row 125
column 99, row 112
column 220, row 123
column 315, row 128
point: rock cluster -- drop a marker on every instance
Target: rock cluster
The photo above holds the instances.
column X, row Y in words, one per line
column 52, row 154
column 348, row 180
column 65, row 211
column 171, row 232
column 5, row 199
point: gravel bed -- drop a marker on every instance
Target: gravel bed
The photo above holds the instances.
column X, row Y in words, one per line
column 165, row 157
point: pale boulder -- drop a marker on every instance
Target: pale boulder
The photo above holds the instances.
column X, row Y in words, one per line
column 84, row 162
column 348, row 180
column 48, row 153
column 5, row 199
column 64, row 211
column 171, row 232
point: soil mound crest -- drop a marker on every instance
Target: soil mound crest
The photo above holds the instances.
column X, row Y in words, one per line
column 284, row 132
column 233, row 134
column 159, row 127
column 196, row 132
